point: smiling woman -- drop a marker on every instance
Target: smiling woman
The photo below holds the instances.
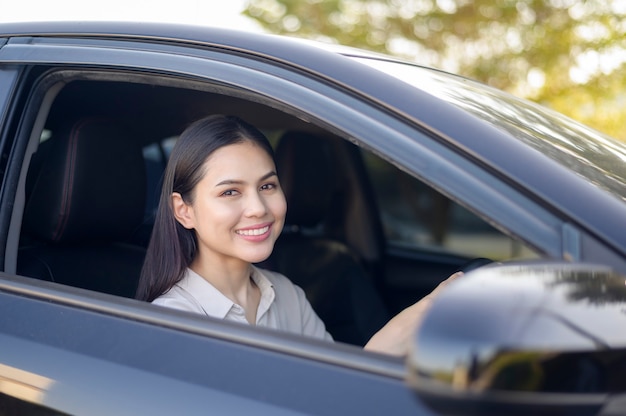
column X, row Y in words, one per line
column 210, row 193
column 222, row 209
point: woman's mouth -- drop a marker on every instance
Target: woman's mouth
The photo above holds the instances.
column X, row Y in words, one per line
column 253, row 231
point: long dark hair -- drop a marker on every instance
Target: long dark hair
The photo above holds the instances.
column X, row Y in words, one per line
column 173, row 247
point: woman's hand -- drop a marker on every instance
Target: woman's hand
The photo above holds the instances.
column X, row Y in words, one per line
column 395, row 336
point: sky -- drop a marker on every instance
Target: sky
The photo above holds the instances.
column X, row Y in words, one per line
column 222, row 13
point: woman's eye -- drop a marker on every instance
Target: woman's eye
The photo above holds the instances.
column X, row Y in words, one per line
column 230, row 192
column 268, row 186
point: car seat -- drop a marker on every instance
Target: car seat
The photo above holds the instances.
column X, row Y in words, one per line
column 310, row 250
column 85, row 194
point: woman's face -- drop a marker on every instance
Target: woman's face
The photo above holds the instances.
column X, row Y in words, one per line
column 238, row 207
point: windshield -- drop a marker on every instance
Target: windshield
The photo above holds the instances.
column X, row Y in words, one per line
column 597, row 157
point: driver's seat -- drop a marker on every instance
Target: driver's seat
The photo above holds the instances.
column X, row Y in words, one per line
column 333, row 277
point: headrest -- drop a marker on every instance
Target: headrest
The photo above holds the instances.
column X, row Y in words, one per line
column 306, row 171
column 91, row 184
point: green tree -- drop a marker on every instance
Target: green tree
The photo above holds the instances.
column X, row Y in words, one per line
column 566, row 54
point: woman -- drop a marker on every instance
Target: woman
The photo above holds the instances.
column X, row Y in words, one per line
column 221, row 210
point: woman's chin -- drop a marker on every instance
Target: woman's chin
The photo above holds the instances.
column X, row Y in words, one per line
column 258, row 257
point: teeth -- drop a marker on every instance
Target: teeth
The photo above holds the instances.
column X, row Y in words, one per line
column 257, row 231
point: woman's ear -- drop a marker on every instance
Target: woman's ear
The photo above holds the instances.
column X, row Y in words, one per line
column 182, row 212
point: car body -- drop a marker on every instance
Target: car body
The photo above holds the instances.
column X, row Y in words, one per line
column 429, row 172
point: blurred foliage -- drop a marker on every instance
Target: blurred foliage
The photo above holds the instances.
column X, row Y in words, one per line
column 566, row 54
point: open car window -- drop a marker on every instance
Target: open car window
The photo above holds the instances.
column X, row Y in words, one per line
column 94, row 180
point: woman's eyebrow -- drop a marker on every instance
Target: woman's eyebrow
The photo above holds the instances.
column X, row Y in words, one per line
column 268, row 175
column 239, row 182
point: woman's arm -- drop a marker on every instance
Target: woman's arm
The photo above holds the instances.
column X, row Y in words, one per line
column 395, row 336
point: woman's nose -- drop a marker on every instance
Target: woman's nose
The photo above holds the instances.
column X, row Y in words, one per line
column 255, row 205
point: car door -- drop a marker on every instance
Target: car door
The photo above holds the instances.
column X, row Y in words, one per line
column 130, row 350
column 73, row 351
column 79, row 353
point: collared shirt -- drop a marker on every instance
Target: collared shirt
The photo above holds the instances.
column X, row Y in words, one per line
column 283, row 305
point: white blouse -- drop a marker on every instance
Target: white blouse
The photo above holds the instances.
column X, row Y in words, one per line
column 283, row 305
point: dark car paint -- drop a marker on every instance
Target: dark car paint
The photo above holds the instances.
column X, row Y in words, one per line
column 142, row 357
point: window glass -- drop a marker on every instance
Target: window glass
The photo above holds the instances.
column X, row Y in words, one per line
column 416, row 216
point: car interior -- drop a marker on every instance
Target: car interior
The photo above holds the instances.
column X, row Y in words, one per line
column 362, row 238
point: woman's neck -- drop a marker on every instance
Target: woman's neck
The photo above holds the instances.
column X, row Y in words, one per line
column 233, row 280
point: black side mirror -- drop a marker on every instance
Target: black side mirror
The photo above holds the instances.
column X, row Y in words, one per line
column 520, row 339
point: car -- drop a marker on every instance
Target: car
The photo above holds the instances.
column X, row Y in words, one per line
column 396, row 176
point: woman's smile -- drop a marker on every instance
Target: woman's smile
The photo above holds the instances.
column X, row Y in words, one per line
column 255, row 233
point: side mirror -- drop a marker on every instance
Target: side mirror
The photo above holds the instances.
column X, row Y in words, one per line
column 525, row 338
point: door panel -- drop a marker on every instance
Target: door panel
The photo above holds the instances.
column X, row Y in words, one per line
column 96, row 363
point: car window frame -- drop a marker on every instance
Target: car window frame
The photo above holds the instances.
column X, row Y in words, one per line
column 310, row 97
column 317, row 99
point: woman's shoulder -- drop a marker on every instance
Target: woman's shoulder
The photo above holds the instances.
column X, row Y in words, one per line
column 178, row 299
column 180, row 296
